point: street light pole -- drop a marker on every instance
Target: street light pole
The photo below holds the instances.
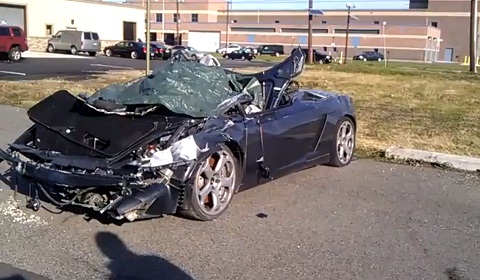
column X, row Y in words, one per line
column 147, row 38
column 384, row 44
column 228, row 23
column 163, row 21
column 310, row 32
column 177, row 25
column 349, row 6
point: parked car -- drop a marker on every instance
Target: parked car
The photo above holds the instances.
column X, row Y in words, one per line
column 243, row 53
column 12, row 42
column 174, row 150
column 130, row 49
column 75, row 41
column 318, row 57
column 276, row 50
column 161, row 50
column 228, row 49
column 254, row 50
column 191, row 52
column 369, row 56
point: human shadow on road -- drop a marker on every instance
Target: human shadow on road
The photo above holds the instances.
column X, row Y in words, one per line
column 125, row 264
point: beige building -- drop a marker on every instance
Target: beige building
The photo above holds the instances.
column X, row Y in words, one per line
column 43, row 18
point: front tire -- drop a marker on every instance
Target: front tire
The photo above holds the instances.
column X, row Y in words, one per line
column 50, row 48
column 213, row 185
column 343, row 148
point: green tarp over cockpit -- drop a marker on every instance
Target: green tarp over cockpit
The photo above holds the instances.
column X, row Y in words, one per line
column 188, row 88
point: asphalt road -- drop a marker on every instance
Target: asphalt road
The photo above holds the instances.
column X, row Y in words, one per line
column 370, row 220
column 51, row 65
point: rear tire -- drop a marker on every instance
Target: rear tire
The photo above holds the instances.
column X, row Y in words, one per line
column 73, row 50
column 343, row 148
column 134, row 55
column 212, row 186
column 15, row 54
column 108, row 53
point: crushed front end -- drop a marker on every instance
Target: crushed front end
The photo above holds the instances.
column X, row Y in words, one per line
column 144, row 182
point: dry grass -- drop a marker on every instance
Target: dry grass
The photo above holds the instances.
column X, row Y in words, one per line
column 425, row 112
column 26, row 93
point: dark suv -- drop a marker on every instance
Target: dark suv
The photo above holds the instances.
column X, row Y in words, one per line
column 276, row 50
column 317, row 56
column 12, row 42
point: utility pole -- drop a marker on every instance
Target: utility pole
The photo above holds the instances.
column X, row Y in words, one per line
column 228, row 23
column 147, row 38
column 384, row 44
column 178, row 21
column 473, row 35
column 349, row 6
column 310, row 32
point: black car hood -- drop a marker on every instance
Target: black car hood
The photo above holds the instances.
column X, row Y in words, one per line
column 68, row 125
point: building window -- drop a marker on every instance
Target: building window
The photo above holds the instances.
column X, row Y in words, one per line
column 357, row 31
column 324, row 21
column 194, row 17
column 277, row 21
column 253, row 29
column 175, row 17
column 234, row 21
column 72, row 21
column 49, row 30
column 376, row 22
column 434, row 24
column 159, row 17
column 324, row 49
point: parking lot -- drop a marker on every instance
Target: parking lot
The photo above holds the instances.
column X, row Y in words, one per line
column 367, row 221
column 44, row 65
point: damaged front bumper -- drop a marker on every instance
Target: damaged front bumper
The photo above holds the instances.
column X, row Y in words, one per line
column 119, row 196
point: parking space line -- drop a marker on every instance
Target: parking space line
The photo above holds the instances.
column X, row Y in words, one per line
column 13, row 73
column 112, row 66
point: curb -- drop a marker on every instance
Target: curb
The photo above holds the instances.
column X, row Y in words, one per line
column 457, row 162
column 34, row 54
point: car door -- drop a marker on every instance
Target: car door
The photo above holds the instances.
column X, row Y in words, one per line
column 288, row 136
column 5, row 39
column 117, row 48
column 55, row 41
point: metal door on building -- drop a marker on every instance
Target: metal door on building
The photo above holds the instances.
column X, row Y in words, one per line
column 13, row 15
column 448, row 55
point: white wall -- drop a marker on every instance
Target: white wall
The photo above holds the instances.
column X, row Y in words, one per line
column 106, row 19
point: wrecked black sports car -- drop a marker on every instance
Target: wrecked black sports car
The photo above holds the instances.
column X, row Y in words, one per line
column 183, row 140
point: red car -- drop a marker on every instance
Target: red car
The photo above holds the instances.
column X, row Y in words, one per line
column 12, row 42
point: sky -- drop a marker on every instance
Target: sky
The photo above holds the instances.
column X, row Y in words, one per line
column 317, row 4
